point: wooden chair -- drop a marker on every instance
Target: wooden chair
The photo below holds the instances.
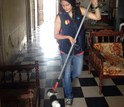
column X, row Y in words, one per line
column 106, row 55
column 20, row 85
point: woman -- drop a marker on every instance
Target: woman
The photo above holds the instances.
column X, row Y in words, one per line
column 66, row 26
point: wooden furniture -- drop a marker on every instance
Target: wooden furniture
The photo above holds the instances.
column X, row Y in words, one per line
column 106, row 55
column 91, row 25
column 20, row 85
column 105, row 17
column 97, row 26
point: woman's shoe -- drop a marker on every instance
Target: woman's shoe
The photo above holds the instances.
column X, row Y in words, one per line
column 69, row 101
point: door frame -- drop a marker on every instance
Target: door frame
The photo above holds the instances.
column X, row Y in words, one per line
column 2, row 56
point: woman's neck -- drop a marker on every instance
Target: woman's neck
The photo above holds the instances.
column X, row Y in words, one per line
column 70, row 14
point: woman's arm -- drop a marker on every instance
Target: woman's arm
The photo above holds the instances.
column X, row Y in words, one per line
column 90, row 15
column 57, row 28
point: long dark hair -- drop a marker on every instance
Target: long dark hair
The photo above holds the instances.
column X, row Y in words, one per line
column 73, row 3
column 74, row 13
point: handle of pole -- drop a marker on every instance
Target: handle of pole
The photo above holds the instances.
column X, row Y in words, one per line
column 56, row 85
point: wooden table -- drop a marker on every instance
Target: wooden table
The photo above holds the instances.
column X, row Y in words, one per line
column 97, row 26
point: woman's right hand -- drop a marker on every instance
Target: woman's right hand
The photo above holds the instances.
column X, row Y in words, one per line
column 72, row 40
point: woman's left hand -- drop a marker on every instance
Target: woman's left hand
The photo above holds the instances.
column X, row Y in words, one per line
column 95, row 3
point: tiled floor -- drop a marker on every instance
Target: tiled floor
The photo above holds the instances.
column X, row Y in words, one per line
column 44, row 48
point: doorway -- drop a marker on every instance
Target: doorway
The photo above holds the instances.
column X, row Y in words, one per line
column 46, row 29
column 49, row 10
